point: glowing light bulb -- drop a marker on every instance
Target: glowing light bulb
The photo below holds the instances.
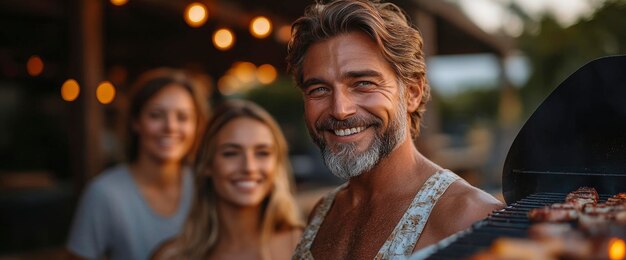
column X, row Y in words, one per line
column 244, row 71
column 196, row 14
column 260, row 27
column 70, row 90
column 284, row 34
column 266, row 74
column 617, row 249
column 223, row 39
column 34, row 66
column 227, row 85
column 105, row 93
column 119, row 2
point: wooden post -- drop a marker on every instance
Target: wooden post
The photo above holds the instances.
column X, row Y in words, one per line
column 430, row 123
column 87, row 66
column 92, row 71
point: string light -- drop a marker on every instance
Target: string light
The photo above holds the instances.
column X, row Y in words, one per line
column 227, row 85
column 105, row 93
column 617, row 249
column 34, row 66
column 260, row 27
column 119, row 2
column 70, row 90
column 244, row 71
column 196, row 14
column 223, row 39
column 283, row 34
column 266, row 74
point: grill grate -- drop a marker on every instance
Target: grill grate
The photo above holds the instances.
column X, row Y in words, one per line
column 512, row 221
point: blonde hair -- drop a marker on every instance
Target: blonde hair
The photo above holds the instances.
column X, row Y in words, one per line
column 201, row 230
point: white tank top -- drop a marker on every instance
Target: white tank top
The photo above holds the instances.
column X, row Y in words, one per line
column 402, row 240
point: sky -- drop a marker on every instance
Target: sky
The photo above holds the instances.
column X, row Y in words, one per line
column 450, row 75
column 493, row 16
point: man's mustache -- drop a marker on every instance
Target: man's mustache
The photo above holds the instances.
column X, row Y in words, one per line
column 330, row 123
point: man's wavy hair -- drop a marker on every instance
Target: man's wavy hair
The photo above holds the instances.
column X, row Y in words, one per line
column 385, row 23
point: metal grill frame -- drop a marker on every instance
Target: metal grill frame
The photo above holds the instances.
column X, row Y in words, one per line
column 574, row 139
column 512, row 221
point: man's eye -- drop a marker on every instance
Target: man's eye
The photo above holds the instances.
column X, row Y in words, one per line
column 317, row 91
column 364, row 84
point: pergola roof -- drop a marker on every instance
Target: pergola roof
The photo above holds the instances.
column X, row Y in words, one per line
column 148, row 33
column 88, row 39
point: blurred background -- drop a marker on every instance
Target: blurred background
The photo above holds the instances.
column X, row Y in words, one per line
column 66, row 65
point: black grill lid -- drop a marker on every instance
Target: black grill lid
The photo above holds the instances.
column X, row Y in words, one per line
column 576, row 137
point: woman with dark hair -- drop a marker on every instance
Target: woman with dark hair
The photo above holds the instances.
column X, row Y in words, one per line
column 243, row 206
column 131, row 208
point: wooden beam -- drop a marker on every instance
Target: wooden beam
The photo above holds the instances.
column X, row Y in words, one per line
column 426, row 24
column 86, row 65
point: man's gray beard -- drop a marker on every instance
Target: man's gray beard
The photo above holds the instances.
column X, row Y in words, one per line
column 347, row 162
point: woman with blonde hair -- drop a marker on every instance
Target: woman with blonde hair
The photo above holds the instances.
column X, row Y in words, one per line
column 243, row 206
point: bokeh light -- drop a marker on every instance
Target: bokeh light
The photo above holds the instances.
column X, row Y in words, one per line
column 260, row 27
column 196, row 14
column 617, row 249
column 283, row 34
column 119, row 2
column 227, row 85
column 34, row 66
column 244, row 71
column 266, row 74
column 70, row 90
column 105, row 93
column 223, row 39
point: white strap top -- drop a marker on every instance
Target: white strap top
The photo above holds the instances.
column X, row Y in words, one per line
column 402, row 240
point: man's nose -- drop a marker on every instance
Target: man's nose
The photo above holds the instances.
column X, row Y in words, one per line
column 343, row 105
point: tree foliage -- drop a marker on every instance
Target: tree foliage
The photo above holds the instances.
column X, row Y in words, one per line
column 555, row 52
column 284, row 101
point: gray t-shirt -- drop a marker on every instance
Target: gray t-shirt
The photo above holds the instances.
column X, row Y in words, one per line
column 114, row 219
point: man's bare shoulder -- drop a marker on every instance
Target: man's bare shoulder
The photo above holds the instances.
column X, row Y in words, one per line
column 314, row 210
column 461, row 205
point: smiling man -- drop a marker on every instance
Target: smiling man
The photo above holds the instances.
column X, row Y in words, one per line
column 361, row 69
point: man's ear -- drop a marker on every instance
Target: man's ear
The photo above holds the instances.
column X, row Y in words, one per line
column 414, row 95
